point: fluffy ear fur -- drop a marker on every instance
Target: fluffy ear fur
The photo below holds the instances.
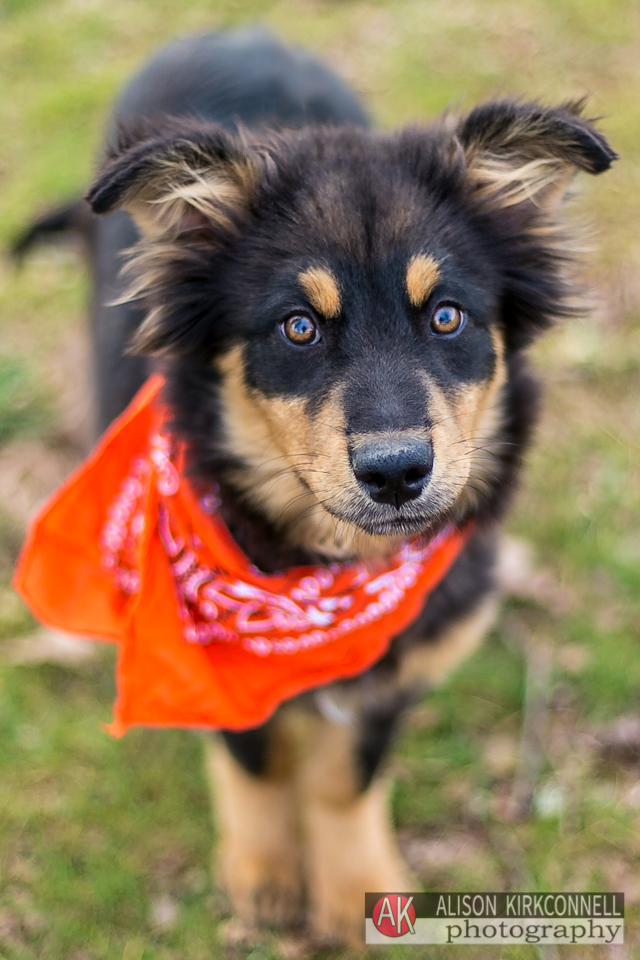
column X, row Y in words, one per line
column 188, row 186
column 517, row 152
column 186, row 177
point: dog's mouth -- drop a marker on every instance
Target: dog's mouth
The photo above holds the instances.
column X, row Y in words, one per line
column 390, row 522
column 359, row 507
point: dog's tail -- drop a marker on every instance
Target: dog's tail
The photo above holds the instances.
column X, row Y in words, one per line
column 72, row 217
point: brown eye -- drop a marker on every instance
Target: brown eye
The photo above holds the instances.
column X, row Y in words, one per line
column 447, row 319
column 300, row 330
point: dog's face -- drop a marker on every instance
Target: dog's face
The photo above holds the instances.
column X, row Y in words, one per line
column 369, row 375
column 349, row 302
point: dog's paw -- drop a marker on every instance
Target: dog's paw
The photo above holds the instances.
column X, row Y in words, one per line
column 264, row 893
column 276, row 903
column 236, row 933
column 338, row 911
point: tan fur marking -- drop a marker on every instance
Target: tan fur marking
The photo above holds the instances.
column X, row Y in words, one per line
column 475, row 402
column 350, row 847
column 451, row 460
column 432, row 662
column 422, row 275
column 511, row 179
column 161, row 207
column 328, row 771
column 259, row 861
column 484, row 437
column 465, row 434
column 321, row 287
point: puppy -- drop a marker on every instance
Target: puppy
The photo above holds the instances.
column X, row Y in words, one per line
column 341, row 316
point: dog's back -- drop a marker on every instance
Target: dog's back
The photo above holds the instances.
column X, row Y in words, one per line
column 241, row 77
column 238, row 78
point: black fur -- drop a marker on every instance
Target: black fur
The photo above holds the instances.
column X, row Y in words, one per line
column 377, row 728
column 250, row 748
column 72, row 217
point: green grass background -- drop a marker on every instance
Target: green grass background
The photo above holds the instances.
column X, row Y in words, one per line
column 94, row 832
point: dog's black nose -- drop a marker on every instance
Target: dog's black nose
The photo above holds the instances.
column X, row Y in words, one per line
column 393, row 473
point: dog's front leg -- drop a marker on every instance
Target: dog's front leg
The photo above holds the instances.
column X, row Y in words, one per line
column 349, row 842
column 258, row 854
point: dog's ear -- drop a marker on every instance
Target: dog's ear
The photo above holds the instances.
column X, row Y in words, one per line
column 189, row 186
column 519, row 152
column 185, row 178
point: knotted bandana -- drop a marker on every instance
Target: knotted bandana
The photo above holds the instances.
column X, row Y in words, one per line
column 126, row 551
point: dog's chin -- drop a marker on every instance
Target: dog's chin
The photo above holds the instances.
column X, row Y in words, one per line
column 392, row 523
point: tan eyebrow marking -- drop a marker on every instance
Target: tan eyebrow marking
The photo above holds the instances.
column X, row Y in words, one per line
column 422, row 275
column 321, row 287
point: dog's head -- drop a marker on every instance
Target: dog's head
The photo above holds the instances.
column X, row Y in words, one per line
column 339, row 308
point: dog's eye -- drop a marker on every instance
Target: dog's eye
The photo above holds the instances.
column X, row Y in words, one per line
column 300, row 330
column 447, row 320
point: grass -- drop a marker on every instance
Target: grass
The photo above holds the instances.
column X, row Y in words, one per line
column 22, row 409
column 100, row 839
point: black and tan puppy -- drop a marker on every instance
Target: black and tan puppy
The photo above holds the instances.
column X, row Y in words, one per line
column 341, row 315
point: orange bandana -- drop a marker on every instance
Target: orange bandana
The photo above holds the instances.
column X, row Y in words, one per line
column 124, row 551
